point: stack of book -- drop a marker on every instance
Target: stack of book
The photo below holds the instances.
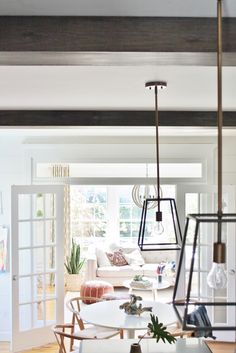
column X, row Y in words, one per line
column 143, row 283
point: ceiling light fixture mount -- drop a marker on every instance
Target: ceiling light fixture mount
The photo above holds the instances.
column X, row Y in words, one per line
column 156, row 84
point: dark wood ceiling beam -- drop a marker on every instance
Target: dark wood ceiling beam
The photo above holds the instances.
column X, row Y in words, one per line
column 29, row 118
column 114, row 34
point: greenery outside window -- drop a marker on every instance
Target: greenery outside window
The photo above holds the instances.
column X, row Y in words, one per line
column 88, row 212
column 129, row 216
column 102, row 214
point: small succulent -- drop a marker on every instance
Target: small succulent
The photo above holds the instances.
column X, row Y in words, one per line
column 138, row 278
column 158, row 331
column 73, row 262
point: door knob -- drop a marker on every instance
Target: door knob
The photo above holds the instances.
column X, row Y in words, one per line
column 14, row 277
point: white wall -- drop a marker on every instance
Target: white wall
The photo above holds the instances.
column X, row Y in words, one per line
column 11, row 172
column 16, row 154
column 229, row 161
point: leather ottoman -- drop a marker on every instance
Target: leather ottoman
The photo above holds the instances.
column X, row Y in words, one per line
column 95, row 289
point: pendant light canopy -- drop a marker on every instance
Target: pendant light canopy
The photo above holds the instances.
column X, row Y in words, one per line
column 204, row 288
column 159, row 226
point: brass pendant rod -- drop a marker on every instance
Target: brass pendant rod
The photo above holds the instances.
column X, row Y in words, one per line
column 219, row 110
column 157, row 148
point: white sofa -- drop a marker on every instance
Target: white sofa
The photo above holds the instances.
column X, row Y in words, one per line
column 99, row 267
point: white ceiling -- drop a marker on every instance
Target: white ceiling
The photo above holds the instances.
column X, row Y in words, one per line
column 90, row 87
column 111, row 135
column 179, row 8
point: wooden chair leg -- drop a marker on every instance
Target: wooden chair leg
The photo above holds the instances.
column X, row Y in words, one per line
column 72, row 331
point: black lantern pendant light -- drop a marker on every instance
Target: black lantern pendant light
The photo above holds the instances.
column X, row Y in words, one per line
column 209, row 291
column 159, row 226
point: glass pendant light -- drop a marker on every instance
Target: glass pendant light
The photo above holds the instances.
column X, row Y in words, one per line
column 142, row 192
column 209, row 296
column 217, row 277
column 159, row 230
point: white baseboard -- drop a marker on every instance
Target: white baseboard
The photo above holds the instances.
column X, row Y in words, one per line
column 5, row 336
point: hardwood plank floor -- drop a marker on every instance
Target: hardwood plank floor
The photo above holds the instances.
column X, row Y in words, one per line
column 222, row 347
column 49, row 348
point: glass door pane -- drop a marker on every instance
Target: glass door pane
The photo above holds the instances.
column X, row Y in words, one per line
column 37, row 263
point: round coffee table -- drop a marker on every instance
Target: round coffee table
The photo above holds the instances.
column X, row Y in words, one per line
column 156, row 285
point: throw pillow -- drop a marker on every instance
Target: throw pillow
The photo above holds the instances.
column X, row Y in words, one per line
column 135, row 258
column 114, row 247
column 117, row 258
column 102, row 259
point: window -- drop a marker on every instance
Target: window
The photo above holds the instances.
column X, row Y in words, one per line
column 102, row 214
column 119, row 170
column 88, row 212
column 129, row 216
column 102, row 208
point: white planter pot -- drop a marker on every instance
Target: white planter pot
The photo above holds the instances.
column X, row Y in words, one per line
column 73, row 282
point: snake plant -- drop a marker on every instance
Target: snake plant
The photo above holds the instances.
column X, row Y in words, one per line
column 73, row 262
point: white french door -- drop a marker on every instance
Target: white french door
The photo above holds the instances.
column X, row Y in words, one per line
column 37, row 264
column 203, row 199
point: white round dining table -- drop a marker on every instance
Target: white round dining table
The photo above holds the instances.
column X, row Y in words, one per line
column 108, row 314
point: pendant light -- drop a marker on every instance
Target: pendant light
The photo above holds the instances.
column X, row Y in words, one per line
column 159, row 230
column 198, row 224
column 142, row 192
column 216, row 277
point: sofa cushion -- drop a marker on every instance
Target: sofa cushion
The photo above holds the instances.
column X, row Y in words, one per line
column 134, row 258
column 125, row 250
column 121, row 271
column 150, row 270
column 152, row 257
column 102, row 259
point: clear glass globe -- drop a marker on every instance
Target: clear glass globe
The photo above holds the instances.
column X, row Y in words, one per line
column 157, row 229
column 217, row 277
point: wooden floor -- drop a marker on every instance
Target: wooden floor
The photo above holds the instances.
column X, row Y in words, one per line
column 50, row 348
column 222, row 347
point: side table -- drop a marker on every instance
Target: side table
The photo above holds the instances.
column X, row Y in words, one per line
column 156, row 285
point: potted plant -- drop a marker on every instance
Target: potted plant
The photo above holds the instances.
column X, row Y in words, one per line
column 73, row 265
column 157, row 330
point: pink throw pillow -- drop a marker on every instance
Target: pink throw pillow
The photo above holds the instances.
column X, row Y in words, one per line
column 117, row 258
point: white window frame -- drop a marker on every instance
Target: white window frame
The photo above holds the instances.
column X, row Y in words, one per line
column 121, row 180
